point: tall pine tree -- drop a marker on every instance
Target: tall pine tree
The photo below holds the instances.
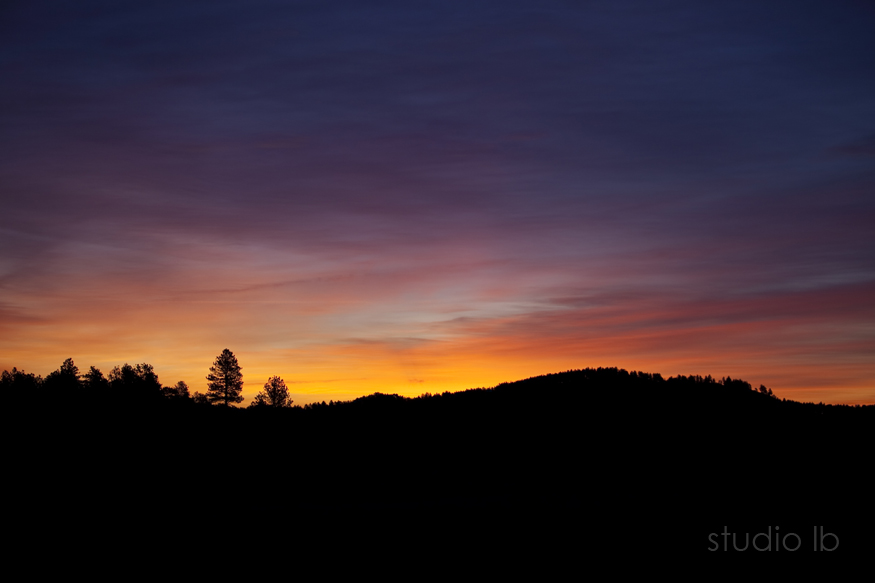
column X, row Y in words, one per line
column 225, row 382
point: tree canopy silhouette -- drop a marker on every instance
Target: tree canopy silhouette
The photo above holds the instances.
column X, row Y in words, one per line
column 178, row 391
column 275, row 394
column 137, row 383
column 63, row 384
column 225, row 381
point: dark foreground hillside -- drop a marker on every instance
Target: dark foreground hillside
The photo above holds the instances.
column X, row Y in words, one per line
column 604, row 455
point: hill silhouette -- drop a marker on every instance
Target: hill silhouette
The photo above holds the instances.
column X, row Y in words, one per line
column 615, row 448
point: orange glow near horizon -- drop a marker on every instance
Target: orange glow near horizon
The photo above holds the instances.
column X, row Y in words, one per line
column 443, row 321
column 449, row 355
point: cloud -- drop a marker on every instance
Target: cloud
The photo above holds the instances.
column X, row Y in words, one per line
column 862, row 147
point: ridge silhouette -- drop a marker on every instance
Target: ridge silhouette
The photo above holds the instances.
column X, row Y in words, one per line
column 616, row 447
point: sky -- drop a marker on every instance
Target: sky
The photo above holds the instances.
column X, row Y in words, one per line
column 412, row 197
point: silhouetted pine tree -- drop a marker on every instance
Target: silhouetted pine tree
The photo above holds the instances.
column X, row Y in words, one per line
column 225, row 381
column 275, row 394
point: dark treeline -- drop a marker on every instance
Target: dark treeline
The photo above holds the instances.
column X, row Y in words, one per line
column 614, row 446
column 138, row 385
